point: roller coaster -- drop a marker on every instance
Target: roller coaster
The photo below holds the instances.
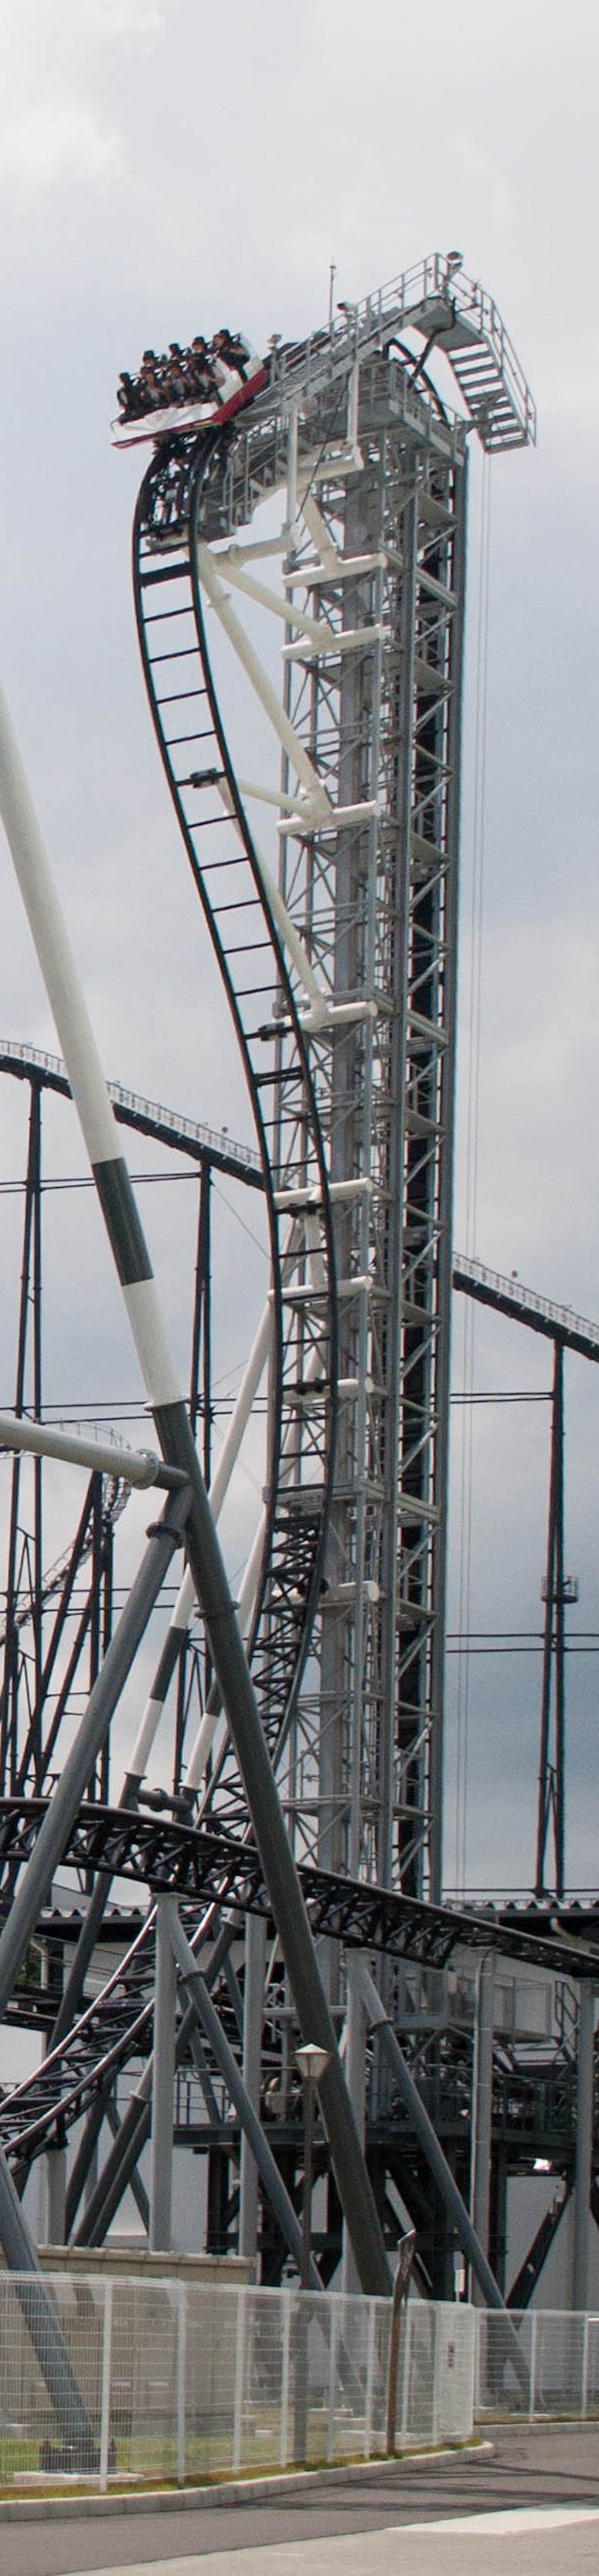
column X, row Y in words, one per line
column 340, row 468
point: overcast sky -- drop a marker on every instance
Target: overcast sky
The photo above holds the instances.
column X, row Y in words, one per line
column 162, row 168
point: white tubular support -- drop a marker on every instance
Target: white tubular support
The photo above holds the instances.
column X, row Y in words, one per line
column 318, row 629
column 138, row 1467
column 208, row 1724
column 292, row 470
column 241, row 1411
column 332, row 640
column 317, row 529
column 212, row 1717
column 185, row 1602
column 74, row 1028
column 51, row 941
column 257, row 676
column 148, row 1729
column 353, row 396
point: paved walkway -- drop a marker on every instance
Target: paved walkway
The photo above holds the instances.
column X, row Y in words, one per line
column 526, row 2510
column 510, row 2544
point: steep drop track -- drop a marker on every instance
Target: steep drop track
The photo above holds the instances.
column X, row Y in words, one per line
column 180, row 488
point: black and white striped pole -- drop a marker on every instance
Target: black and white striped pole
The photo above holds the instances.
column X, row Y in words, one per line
column 176, row 1441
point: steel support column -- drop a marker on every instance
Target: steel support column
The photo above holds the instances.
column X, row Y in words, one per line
column 557, row 1590
column 163, row 2078
column 482, row 2106
column 253, row 2010
column 274, row 2186
column 585, row 2110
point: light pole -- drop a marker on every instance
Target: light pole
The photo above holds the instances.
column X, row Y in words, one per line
column 312, row 2062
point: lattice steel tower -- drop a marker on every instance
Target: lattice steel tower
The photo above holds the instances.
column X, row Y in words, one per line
column 349, row 1028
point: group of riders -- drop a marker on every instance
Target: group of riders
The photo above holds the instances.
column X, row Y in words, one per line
column 209, row 371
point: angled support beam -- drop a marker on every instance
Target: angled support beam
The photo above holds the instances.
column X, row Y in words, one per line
column 136, row 1277
column 34, row 1887
column 197, row 1990
column 38, row 2311
column 163, row 2078
column 437, row 2162
column 301, row 765
column 136, row 2185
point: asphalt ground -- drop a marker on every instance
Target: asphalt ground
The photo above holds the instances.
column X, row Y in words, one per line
column 373, row 2527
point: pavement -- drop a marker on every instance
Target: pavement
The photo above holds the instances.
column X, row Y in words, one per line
column 529, row 2505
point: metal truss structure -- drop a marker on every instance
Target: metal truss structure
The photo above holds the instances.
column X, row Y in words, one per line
column 329, row 513
column 339, row 961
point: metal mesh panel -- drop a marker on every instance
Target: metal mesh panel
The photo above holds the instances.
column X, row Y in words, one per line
column 553, row 2370
column 50, row 2357
column 143, row 2378
column 454, row 2371
column 502, row 2388
column 558, row 2363
column 124, row 2379
column 591, row 2367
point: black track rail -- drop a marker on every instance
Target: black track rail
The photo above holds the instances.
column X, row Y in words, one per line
column 179, row 491
column 212, row 1873
column 205, row 1867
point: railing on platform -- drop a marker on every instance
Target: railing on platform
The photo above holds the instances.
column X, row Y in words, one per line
column 186, row 2382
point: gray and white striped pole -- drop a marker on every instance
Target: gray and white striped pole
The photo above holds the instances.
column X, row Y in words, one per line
column 185, row 1603
column 178, row 1448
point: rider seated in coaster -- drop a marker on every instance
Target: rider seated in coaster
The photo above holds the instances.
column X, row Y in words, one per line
column 237, row 352
column 230, row 362
column 126, row 395
column 202, row 379
column 149, row 381
column 175, row 374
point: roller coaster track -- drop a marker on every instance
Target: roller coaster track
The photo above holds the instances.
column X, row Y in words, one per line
column 210, row 1870
column 146, row 1117
column 169, row 519
column 202, row 486
column 114, row 1500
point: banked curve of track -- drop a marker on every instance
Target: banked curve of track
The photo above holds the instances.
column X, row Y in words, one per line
column 182, row 483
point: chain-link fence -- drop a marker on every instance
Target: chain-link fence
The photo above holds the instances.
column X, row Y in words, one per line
column 125, row 2379
column 542, row 2361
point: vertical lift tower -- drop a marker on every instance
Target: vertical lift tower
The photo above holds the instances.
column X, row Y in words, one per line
column 354, row 877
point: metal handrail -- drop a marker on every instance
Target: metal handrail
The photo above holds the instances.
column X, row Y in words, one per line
column 528, row 1299
column 135, row 1103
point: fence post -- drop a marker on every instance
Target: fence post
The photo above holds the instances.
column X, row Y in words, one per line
column 584, row 2385
column 436, row 2316
column 239, row 2378
column 369, row 2379
column 400, row 2298
column 105, row 2390
column 181, row 2355
column 406, row 2355
column 533, row 2363
column 332, row 2379
column 284, row 2442
column 479, row 2314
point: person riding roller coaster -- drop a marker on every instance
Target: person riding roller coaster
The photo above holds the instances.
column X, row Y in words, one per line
column 206, row 372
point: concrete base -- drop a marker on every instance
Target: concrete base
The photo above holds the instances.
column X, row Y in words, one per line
column 130, row 2258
